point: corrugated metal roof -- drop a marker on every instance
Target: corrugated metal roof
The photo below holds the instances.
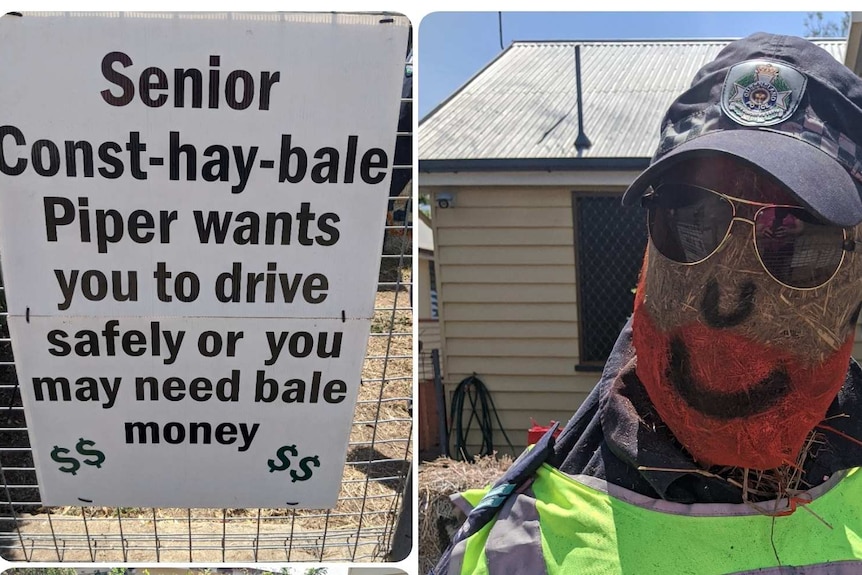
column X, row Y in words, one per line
column 524, row 104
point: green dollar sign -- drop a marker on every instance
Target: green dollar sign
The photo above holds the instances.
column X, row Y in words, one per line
column 285, row 463
column 100, row 457
column 304, row 466
column 55, row 455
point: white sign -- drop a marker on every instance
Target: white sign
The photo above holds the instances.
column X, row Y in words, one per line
column 191, row 215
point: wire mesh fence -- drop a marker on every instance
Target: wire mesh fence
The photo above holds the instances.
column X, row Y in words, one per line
column 361, row 526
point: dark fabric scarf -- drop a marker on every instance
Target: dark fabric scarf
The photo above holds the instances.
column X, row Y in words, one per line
column 616, row 431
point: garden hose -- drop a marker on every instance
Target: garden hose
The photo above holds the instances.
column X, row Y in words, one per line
column 481, row 407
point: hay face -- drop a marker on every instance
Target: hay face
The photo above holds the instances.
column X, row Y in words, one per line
column 739, row 366
column 810, row 324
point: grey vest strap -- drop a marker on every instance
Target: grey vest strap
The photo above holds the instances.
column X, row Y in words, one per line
column 456, row 559
column 514, row 543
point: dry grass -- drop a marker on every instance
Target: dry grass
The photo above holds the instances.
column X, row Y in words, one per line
column 438, row 480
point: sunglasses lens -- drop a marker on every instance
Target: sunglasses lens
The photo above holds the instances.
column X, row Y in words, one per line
column 687, row 223
column 796, row 249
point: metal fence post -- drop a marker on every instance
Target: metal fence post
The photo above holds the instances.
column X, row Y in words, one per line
column 402, row 541
column 441, row 402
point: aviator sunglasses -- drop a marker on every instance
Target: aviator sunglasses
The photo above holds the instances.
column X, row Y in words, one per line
column 688, row 224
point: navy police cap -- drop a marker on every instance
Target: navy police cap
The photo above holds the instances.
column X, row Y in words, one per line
column 781, row 104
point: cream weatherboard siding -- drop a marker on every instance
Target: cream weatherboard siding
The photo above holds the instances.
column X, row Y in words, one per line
column 429, row 336
column 508, row 303
column 429, row 329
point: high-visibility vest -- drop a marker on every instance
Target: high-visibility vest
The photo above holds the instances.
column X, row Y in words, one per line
column 556, row 524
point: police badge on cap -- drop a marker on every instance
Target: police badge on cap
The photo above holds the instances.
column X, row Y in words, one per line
column 761, row 93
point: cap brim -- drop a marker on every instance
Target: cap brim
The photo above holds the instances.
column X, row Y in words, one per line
column 819, row 182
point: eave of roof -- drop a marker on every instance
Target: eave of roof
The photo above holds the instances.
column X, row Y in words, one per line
column 532, row 164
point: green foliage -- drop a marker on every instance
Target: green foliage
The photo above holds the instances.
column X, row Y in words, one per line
column 816, row 26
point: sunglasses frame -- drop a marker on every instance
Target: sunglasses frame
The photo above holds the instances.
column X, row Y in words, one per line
column 848, row 244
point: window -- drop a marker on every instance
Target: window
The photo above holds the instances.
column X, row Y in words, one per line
column 432, row 281
column 609, row 251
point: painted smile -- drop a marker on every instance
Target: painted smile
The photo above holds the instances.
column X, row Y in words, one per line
column 722, row 405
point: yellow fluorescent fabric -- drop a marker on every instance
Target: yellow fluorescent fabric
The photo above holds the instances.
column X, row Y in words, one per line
column 585, row 531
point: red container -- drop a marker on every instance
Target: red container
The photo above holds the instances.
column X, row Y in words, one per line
column 536, row 432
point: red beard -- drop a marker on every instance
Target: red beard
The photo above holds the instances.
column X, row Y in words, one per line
column 730, row 400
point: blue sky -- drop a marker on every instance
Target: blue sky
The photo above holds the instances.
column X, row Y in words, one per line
column 453, row 46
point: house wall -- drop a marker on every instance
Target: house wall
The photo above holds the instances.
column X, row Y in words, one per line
column 429, row 329
column 508, row 309
column 424, row 291
column 429, row 339
column 429, row 336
